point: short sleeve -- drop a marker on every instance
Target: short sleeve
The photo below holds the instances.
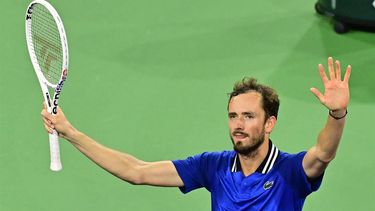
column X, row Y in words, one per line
column 197, row 171
column 298, row 178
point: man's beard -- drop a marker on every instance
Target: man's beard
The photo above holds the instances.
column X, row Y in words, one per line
column 248, row 149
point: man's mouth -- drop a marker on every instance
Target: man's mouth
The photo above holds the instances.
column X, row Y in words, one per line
column 239, row 135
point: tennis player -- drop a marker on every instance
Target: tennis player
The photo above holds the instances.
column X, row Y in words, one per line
column 256, row 175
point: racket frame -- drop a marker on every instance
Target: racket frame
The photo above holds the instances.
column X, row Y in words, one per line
column 51, row 103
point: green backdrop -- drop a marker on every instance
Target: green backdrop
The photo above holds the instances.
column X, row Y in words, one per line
column 151, row 78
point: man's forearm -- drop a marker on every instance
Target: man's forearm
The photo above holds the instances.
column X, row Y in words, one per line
column 120, row 164
column 329, row 137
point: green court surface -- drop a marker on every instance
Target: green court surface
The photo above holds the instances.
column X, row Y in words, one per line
column 151, row 78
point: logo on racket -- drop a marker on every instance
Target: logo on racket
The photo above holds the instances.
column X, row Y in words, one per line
column 48, row 51
column 29, row 12
column 58, row 90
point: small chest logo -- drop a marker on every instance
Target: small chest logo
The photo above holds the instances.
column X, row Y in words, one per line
column 268, row 185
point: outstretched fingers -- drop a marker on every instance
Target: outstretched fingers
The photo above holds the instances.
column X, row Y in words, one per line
column 331, row 69
column 347, row 74
column 334, row 71
column 317, row 94
column 338, row 70
column 322, row 73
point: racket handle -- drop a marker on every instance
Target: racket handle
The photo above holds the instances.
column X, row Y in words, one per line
column 54, row 151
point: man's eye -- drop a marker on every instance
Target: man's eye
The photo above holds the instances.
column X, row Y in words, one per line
column 248, row 116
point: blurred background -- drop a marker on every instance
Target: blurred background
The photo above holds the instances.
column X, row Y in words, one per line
column 151, row 78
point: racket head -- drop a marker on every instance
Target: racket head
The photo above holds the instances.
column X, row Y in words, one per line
column 47, row 43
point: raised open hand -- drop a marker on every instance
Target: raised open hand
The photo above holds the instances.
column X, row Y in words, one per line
column 336, row 91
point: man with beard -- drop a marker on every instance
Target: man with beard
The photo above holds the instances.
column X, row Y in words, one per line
column 256, row 175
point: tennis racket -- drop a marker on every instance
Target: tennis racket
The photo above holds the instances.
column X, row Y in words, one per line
column 48, row 49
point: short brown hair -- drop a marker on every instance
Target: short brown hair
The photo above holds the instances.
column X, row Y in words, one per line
column 270, row 99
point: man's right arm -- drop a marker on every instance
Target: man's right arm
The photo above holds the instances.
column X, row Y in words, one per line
column 121, row 165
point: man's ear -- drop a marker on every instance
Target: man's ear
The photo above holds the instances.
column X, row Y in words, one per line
column 270, row 124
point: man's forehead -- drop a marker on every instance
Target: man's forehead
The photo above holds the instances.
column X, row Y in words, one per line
column 247, row 97
column 249, row 101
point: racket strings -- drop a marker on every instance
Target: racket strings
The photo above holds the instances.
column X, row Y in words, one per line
column 47, row 44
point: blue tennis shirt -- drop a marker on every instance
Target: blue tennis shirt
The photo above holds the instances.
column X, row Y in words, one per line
column 279, row 183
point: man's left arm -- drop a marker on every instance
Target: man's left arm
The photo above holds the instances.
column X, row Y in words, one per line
column 336, row 99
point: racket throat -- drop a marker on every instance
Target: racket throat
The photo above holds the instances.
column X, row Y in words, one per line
column 55, row 102
column 58, row 90
column 48, row 100
column 53, row 105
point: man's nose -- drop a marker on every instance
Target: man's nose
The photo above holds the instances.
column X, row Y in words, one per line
column 240, row 123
